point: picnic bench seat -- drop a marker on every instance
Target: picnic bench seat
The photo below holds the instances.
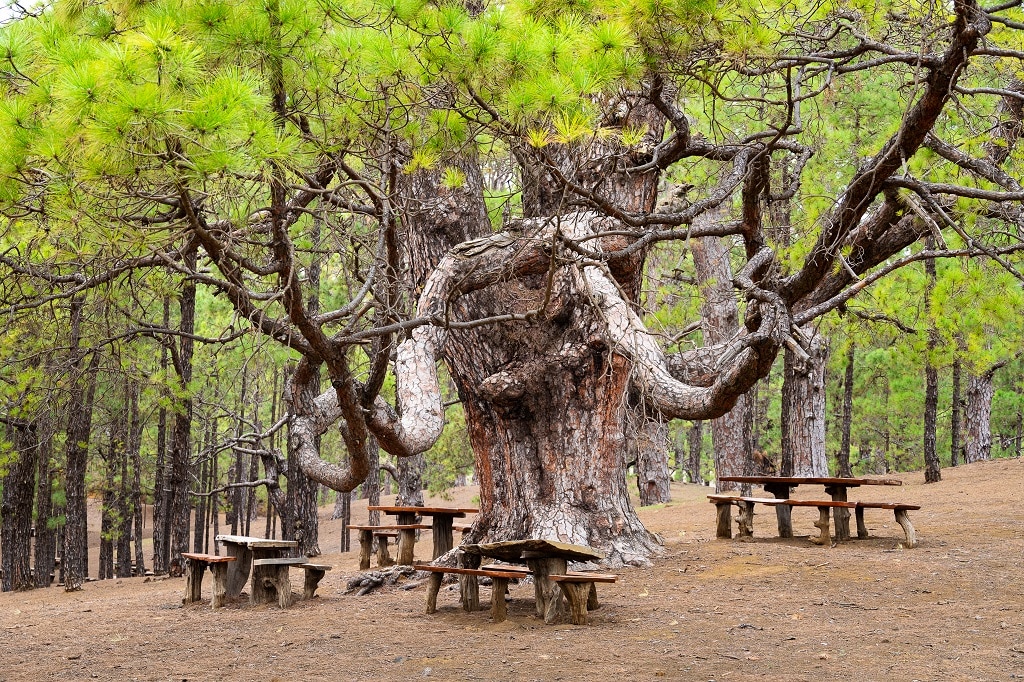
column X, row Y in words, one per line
column 499, row 586
column 195, row 566
column 745, row 516
column 580, row 590
column 270, row 579
column 367, row 535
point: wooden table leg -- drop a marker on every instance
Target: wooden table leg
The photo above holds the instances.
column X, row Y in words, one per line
column 365, row 549
column 469, row 587
column 444, row 538
column 220, row 584
column 406, row 540
column 840, row 514
column 194, row 580
column 724, row 529
column 499, row 611
column 822, row 525
column 238, row 570
column 908, row 528
column 577, row 594
column 547, row 592
column 783, row 512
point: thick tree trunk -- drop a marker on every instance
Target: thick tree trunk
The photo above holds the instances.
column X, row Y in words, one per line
column 843, row 460
column 731, row 435
column 803, row 410
column 181, row 434
column 978, row 417
column 16, row 508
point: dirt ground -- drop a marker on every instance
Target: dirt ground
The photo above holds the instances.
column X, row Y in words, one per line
column 770, row 609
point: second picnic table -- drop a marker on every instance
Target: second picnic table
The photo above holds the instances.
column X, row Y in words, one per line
column 441, row 526
column 782, row 486
column 245, row 549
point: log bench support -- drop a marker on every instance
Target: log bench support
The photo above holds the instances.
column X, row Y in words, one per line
column 314, row 574
column 902, row 518
column 270, row 580
column 194, row 568
column 379, row 535
column 581, row 592
column 745, row 520
column 499, row 586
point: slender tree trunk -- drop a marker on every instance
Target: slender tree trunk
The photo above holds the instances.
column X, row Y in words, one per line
column 956, row 419
column 135, row 455
column 978, row 417
column 803, row 410
column 695, row 438
column 162, row 474
column 46, row 534
column 181, row 435
column 371, row 487
column 844, row 450
column 19, row 484
column 410, row 480
column 124, row 516
column 75, row 555
column 652, row 473
column 932, row 468
column 107, row 509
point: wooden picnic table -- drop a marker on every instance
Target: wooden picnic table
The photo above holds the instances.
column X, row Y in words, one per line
column 245, row 549
column 545, row 558
column 782, row 486
column 441, row 527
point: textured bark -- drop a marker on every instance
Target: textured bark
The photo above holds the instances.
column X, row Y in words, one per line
column 932, row 468
column 978, row 417
column 843, row 459
column 16, row 508
column 803, row 410
column 653, row 477
column 161, row 475
column 46, row 535
column 135, row 454
column 695, row 439
column 180, row 452
column 410, row 481
column 956, row 417
column 303, row 525
column 74, row 554
column 731, row 433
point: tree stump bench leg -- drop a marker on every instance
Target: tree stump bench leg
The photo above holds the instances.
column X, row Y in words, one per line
column 578, row 596
column 270, row 582
column 194, row 581
column 383, row 555
column 220, row 585
column 365, row 548
column 783, row 512
column 908, row 528
column 862, row 529
column 406, row 547
column 724, row 529
column 592, row 603
column 433, row 586
column 745, row 520
column 499, row 611
column 312, row 581
column 822, row 524
column 469, row 587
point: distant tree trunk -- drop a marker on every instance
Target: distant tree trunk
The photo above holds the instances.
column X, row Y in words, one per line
column 19, row 485
column 135, row 454
column 75, row 555
column 105, row 570
column 303, row 521
column 371, row 487
column 843, row 460
column 343, row 511
column 730, row 433
column 181, row 435
column 46, row 534
column 123, row 505
column 410, row 480
column 932, row 468
column 803, row 410
column 978, row 417
column 162, row 473
column 695, row 438
column 652, row 473
column 956, row 419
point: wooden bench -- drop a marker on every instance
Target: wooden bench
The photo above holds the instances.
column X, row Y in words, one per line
column 406, row 534
column 314, row 573
column 270, row 580
column 470, row 598
column 195, row 567
column 580, row 590
column 745, row 517
column 902, row 518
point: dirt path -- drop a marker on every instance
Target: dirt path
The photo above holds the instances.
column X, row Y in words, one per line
column 952, row 609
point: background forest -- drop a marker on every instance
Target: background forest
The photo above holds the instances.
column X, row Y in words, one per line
column 162, row 160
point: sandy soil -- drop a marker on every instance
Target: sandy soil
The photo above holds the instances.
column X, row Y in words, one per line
column 952, row 609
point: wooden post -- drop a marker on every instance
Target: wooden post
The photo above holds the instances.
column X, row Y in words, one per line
column 365, row 547
column 220, row 583
column 194, row 581
column 822, row 524
column 840, row 514
column 908, row 528
column 383, row 555
column 406, row 540
column 592, row 603
column 577, row 594
column 862, row 529
column 314, row 574
column 443, row 534
column 433, row 585
column 745, row 519
column 469, row 588
column 783, row 512
column 724, row 529
column 499, row 611
column 238, row 570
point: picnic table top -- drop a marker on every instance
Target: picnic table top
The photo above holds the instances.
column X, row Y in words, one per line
column 424, row 511
column 812, row 480
column 514, row 550
column 251, row 542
